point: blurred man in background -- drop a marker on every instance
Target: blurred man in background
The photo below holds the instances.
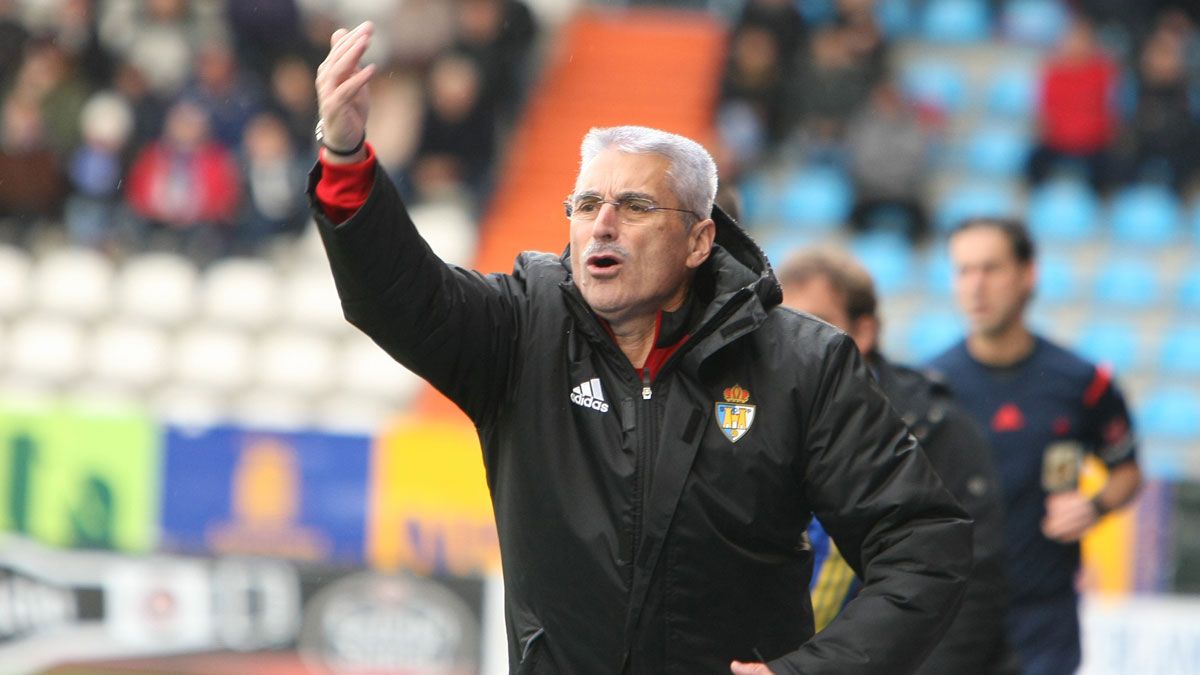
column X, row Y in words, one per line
column 835, row 288
column 1043, row 407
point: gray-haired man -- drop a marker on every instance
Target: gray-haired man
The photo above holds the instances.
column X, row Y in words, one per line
column 656, row 431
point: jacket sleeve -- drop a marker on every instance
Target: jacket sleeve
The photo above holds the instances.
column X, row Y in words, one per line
column 896, row 525
column 453, row 327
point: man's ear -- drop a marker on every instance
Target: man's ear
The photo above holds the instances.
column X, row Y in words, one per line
column 865, row 332
column 700, row 242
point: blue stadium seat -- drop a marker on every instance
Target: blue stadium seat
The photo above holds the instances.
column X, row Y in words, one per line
column 1035, row 22
column 759, row 200
column 1145, row 215
column 930, row 334
column 1108, row 342
column 1189, row 290
column 935, row 84
column 1012, row 92
column 956, row 21
column 888, row 257
column 895, row 17
column 998, row 150
column 816, row 198
column 1063, row 211
column 1058, row 278
column 938, row 274
column 818, row 12
column 984, row 198
column 781, row 245
column 1180, row 353
column 1173, row 412
column 1131, row 283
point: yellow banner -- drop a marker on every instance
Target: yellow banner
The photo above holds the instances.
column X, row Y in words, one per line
column 429, row 507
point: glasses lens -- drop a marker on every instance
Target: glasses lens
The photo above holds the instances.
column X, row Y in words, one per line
column 636, row 207
column 586, row 207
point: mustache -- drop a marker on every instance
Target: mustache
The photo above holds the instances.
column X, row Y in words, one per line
column 602, row 247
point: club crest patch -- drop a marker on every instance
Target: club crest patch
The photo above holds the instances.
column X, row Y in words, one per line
column 735, row 416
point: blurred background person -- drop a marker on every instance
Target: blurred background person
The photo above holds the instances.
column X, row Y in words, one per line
column 832, row 286
column 184, row 186
column 274, row 176
column 458, row 132
column 1076, row 110
column 32, row 184
column 95, row 170
column 1160, row 139
column 888, row 154
column 1043, row 409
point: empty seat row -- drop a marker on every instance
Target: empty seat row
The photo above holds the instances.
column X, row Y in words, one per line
column 55, row 350
column 166, row 290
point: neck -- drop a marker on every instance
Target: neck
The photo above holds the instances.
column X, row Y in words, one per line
column 1002, row 348
column 635, row 337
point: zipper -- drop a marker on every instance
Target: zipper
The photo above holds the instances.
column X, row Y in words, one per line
column 646, row 437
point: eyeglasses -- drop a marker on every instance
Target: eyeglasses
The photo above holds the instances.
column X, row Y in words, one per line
column 629, row 207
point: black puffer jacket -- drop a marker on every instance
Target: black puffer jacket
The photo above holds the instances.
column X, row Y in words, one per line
column 636, row 535
column 958, row 451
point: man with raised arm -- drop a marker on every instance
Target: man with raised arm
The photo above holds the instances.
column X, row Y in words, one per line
column 656, row 430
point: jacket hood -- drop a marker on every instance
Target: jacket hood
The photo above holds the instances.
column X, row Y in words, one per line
column 736, row 262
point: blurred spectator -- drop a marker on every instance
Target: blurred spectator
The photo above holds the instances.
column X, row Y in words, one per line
column 264, row 31
column 1076, row 110
column 13, row 36
column 149, row 109
column 31, row 180
column 458, row 132
column 185, row 185
column 159, row 36
column 420, row 30
column 274, row 175
column 95, row 171
column 293, row 98
column 499, row 35
column 753, row 82
column 888, row 161
column 48, row 76
column 829, row 87
column 782, row 20
column 76, row 33
column 223, row 91
column 1160, row 138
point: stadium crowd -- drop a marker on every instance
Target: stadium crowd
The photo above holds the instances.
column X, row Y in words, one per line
column 189, row 126
column 1116, row 101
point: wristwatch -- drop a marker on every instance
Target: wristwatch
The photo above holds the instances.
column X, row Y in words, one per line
column 319, row 133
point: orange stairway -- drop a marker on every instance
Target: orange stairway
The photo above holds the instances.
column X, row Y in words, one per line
column 650, row 67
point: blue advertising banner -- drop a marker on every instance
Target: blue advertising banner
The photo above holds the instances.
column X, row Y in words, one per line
column 298, row 495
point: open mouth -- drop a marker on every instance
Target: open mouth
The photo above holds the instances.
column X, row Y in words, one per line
column 603, row 263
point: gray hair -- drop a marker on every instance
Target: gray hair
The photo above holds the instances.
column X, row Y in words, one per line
column 692, row 174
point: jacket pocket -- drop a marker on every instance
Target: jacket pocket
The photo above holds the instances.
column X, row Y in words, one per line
column 531, row 653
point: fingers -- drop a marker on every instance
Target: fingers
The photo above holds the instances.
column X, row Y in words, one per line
column 348, row 89
column 347, row 48
column 340, row 78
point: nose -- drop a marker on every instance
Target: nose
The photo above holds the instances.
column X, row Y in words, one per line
column 605, row 225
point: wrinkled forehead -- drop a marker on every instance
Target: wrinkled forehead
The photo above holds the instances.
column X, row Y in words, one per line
column 613, row 172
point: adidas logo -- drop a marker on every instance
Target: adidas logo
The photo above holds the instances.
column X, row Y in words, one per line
column 590, row 395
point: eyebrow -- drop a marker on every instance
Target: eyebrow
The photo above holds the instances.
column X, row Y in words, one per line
column 628, row 194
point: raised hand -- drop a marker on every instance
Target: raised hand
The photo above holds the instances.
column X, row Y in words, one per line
column 343, row 97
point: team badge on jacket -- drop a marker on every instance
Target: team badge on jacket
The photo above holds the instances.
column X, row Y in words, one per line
column 734, row 416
